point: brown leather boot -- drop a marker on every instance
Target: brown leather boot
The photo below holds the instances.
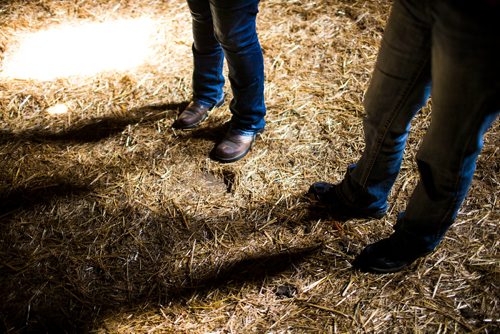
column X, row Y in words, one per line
column 233, row 147
column 193, row 115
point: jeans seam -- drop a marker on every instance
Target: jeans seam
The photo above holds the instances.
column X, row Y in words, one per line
column 460, row 174
column 397, row 110
column 221, row 74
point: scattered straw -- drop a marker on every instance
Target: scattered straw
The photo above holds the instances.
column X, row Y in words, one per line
column 113, row 222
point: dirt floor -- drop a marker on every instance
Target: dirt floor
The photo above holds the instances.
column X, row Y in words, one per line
column 113, row 222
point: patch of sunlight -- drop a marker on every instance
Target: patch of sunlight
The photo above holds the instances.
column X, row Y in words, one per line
column 83, row 49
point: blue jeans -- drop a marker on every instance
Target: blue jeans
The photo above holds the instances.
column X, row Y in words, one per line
column 450, row 49
column 227, row 28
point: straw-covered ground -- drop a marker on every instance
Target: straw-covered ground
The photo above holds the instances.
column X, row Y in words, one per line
column 111, row 221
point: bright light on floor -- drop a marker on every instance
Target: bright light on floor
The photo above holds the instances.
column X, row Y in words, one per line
column 57, row 109
column 80, row 50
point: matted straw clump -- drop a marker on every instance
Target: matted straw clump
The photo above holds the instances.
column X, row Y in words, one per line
column 114, row 222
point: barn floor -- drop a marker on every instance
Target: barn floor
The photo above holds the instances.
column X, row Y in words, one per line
column 112, row 222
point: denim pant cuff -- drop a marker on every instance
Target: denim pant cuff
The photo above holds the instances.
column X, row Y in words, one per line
column 357, row 196
column 421, row 239
column 245, row 132
column 206, row 103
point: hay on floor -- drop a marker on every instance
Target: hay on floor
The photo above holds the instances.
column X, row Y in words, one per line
column 111, row 221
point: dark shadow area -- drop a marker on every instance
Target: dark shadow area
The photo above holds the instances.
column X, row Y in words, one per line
column 67, row 260
column 63, row 273
column 97, row 129
column 249, row 270
column 211, row 130
column 25, row 198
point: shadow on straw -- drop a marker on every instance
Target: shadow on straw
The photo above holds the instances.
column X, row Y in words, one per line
column 96, row 129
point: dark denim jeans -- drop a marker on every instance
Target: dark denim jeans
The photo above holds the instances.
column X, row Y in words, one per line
column 227, row 28
column 455, row 45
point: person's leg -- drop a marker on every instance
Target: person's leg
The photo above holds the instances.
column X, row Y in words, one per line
column 398, row 89
column 465, row 102
column 208, row 79
column 235, row 29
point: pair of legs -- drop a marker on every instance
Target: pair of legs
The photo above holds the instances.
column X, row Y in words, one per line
column 448, row 49
column 226, row 29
